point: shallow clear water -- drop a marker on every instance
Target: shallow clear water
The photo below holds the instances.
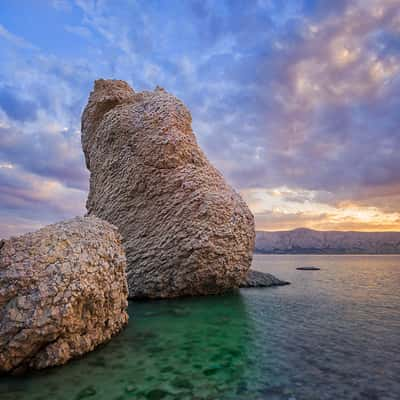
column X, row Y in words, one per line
column 331, row 334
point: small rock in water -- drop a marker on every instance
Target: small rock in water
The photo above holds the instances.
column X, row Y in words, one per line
column 242, row 388
column 88, row 391
column 182, row 383
column 157, row 394
column 261, row 279
column 308, row 268
column 130, row 388
column 180, row 312
column 212, row 370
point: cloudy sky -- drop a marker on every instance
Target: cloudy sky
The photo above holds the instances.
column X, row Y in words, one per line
column 296, row 102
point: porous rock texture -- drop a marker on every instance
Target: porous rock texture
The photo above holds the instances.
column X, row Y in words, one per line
column 256, row 279
column 63, row 291
column 185, row 230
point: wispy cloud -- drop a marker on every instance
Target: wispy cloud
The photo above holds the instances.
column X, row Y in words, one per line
column 299, row 99
column 81, row 31
column 15, row 40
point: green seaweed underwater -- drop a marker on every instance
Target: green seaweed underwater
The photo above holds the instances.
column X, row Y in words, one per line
column 193, row 348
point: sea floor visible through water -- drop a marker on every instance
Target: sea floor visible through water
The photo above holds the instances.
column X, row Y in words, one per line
column 332, row 334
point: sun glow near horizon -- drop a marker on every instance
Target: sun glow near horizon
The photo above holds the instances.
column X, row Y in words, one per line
column 284, row 208
column 296, row 103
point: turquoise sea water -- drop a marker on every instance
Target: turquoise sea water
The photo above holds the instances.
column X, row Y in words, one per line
column 331, row 334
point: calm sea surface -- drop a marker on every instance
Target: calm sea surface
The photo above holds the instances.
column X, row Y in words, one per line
column 331, row 334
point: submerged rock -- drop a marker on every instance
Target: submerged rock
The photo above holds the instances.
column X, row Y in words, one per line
column 185, row 230
column 308, row 268
column 63, row 291
column 261, row 279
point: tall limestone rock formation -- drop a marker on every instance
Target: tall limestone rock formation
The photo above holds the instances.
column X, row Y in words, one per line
column 63, row 291
column 185, row 230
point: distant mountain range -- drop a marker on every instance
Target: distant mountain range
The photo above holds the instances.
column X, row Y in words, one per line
column 308, row 241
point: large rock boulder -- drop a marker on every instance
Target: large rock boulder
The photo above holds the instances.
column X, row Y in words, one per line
column 63, row 291
column 185, row 230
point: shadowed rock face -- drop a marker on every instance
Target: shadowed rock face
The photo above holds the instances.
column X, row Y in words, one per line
column 63, row 291
column 258, row 279
column 185, row 231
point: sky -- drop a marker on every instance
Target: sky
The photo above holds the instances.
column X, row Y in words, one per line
column 297, row 103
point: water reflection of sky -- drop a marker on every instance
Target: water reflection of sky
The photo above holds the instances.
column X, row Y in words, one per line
column 339, row 329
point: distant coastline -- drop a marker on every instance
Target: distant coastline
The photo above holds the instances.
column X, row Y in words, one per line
column 316, row 252
column 308, row 241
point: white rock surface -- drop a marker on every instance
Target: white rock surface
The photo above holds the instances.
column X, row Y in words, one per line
column 63, row 291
